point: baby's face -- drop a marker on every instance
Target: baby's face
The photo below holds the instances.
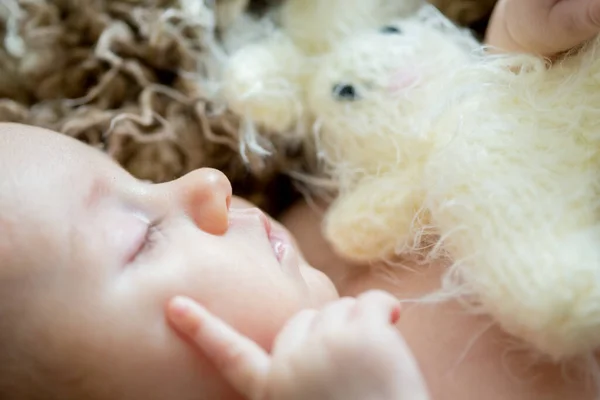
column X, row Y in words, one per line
column 93, row 255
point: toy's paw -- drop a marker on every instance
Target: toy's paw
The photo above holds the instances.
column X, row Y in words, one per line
column 263, row 82
column 378, row 219
column 359, row 237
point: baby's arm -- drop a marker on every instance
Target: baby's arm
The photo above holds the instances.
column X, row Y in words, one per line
column 350, row 350
column 543, row 27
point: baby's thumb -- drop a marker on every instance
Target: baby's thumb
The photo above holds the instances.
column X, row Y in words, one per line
column 412, row 382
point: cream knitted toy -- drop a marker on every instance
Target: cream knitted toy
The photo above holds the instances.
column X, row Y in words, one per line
column 498, row 155
column 266, row 81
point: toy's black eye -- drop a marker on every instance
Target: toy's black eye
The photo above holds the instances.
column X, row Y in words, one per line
column 390, row 30
column 344, row 91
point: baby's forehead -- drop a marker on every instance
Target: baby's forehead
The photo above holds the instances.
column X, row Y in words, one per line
column 36, row 159
column 22, row 146
column 35, row 168
column 44, row 178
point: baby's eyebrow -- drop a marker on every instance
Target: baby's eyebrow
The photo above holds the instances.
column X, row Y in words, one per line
column 99, row 188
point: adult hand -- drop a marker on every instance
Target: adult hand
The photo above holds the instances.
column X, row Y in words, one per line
column 350, row 350
column 543, row 27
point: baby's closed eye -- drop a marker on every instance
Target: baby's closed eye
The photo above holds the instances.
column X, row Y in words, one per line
column 148, row 242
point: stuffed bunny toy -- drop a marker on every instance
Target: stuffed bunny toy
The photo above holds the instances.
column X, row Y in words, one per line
column 496, row 156
column 265, row 81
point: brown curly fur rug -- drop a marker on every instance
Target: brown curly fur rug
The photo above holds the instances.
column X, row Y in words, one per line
column 133, row 77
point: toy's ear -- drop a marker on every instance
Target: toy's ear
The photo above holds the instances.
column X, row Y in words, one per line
column 264, row 82
column 317, row 26
column 430, row 16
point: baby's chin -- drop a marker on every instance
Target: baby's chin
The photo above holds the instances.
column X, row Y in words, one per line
column 321, row 288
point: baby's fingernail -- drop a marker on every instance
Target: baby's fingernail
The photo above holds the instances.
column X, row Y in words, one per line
column 181, row 314
column 395, row 315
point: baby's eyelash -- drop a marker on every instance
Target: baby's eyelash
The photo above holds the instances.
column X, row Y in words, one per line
column 150, row 240
column 151, row 237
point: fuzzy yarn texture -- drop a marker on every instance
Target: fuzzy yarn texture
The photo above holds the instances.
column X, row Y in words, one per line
column 138, row 78
column 134, row 78
column 498, row 157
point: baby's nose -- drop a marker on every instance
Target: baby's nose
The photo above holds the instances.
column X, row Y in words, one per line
column 205, row 195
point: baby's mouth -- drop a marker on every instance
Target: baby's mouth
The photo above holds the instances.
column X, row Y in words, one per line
column 278, row 238
column 279, row 245
column 279, row 241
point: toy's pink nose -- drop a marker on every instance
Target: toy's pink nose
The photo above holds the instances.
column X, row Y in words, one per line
column 404, row 78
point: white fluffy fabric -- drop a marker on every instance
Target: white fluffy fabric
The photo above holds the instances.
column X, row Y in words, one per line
column 266, row 81
column 498, row 155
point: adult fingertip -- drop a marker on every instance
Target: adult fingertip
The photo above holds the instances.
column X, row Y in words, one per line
column 594, row 14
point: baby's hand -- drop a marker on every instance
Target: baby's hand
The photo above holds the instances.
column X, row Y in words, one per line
column 349, row 350
column 543, row 27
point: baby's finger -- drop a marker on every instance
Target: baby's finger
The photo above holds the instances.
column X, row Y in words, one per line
column 293, row 333
column 378, row 307
column 242, row 362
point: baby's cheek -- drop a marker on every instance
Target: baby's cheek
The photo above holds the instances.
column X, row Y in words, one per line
column 321, row 288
